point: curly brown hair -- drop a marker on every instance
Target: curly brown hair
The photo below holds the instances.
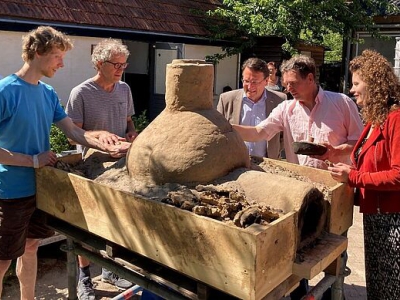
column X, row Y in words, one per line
column 382, row 85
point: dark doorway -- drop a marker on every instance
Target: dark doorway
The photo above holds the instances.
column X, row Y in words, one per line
column 139, row 84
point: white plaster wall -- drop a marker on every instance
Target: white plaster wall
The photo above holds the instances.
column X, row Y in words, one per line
column 226, row 70
column 78, row 66
column 10, row 52
column 77, row 62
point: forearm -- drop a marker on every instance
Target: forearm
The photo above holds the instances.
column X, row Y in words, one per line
column 248, row 133
column 345, row 149
column 15, row 159
column 338, row 152
column 86, row 138
column 101, row 140
column 130, row 127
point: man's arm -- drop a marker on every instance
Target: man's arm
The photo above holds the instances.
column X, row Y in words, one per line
column 249, row 133
column 25, row 160
column 131, row 133
column 101, row 140
column 72, row 142
column 15, row 159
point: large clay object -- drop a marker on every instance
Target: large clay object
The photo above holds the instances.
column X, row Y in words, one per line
column 190, row 141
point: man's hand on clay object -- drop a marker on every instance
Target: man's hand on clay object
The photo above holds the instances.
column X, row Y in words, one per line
column 109, row 138
column 119, row 150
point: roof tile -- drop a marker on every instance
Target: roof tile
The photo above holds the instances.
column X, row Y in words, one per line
column 167, row 16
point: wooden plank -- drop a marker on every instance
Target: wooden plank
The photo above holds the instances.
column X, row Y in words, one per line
column 278, row 244
column 341, row 209
column 283, row 289
column 320, row 256
column 247, row 263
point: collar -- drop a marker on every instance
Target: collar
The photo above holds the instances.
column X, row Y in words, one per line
column 263, row 98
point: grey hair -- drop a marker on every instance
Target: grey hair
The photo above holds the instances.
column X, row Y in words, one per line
column 104, row 50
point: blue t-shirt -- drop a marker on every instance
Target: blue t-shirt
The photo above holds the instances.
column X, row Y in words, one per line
column 26, row 114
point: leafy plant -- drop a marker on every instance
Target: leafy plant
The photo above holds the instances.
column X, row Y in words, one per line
column 58, row 140
column 243, row 21
column 141, row 121
column 334, row 42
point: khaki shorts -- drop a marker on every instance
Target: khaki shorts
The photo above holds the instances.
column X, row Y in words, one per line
column 19, row 220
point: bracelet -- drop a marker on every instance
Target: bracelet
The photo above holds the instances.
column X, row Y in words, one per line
column 35, row 161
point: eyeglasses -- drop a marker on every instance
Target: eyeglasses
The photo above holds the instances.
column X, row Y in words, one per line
column 252, row 82
column 118, row 65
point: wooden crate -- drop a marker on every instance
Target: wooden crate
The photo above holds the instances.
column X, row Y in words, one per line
column 247, row 263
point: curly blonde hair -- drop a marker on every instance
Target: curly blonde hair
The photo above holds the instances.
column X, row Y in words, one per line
column 42, row 40
column 382, row 86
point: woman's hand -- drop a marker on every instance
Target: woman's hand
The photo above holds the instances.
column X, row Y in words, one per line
column 340, row 172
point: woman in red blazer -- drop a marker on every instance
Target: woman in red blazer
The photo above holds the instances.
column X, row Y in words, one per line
column 376, row 171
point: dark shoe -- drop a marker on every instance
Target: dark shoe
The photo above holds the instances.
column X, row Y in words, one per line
column 115, row 280
column 85, row 289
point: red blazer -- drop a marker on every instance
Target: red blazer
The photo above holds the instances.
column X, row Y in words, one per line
column 377, row 172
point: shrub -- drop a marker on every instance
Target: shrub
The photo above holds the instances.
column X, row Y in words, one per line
column 141, row 121
column 58, row 140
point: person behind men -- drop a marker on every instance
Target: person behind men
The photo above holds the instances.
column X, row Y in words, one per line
column 252, row 104
column 226, row 88
column 327, row 118
column 274, row 81
column 103, row 102
column 28, row 107
column 375, row 171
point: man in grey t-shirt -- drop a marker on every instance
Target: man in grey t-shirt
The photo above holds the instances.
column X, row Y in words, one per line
column 103, row 102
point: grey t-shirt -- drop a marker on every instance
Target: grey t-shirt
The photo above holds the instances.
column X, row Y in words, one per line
column 98, row 109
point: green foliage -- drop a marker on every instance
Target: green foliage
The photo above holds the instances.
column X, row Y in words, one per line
column 58, row 140
column 334, row 41
column 309, row 21
column 141, row 121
